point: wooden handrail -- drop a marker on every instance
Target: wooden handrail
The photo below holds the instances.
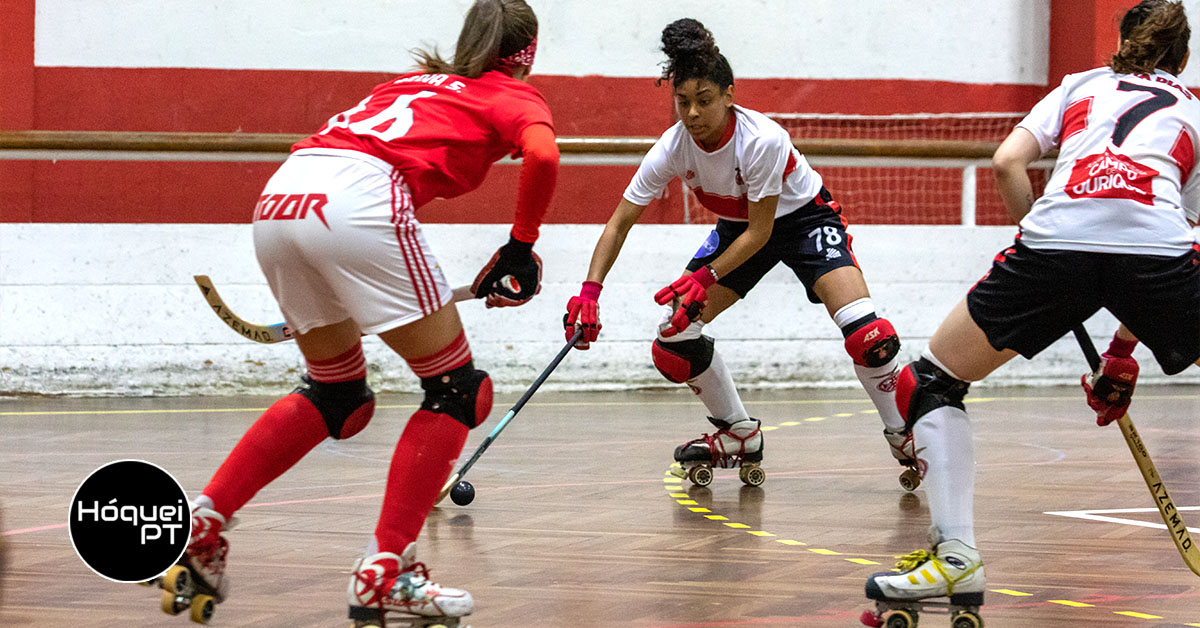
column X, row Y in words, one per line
column 282, row 142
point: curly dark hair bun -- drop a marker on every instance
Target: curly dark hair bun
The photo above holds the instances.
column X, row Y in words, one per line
column 688, row 37
column 692, row 53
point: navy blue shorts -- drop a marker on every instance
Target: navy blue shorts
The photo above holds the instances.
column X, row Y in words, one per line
column 811, row 241
column 1032, row 297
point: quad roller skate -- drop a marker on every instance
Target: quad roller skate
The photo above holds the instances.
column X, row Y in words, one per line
column 952, row 572
column 390, row 590
column 737, row 444
column 198, row 581
column 901, row 446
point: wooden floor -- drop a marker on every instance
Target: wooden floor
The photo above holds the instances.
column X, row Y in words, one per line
column 576, row 523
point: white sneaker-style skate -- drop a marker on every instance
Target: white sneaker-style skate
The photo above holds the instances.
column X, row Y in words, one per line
column 952, row 570
column 736, row 444
column 388, row 583
column 903, row 450
column 198, row 581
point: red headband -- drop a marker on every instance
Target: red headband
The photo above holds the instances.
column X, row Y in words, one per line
column 519, row 58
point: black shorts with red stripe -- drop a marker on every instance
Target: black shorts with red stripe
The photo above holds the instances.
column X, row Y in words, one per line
column 811, row 241
column 1032, row 297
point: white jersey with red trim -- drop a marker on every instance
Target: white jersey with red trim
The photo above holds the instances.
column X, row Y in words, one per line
column 1127, row 149
column 755, row 160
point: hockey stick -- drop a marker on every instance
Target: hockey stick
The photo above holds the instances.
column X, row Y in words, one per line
column 1166, row 508
column 269, row 334
column 537, row 383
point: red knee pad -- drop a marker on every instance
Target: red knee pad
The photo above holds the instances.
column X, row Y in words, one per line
column 483, row 401
column 357, row 420
column 875, row 344
column 464, row 394
column 683, row 360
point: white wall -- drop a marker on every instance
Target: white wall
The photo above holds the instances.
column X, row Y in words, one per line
column 851, row 39
column 88, row 308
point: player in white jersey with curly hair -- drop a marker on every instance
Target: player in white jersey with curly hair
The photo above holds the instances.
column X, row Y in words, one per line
column 772, row 208
column 1113, row 230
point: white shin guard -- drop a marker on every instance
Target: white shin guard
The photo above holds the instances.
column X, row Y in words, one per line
column 880, row 384
column 716, row 389
column 946, row 453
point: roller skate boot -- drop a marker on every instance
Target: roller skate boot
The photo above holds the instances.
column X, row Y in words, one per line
column 952, row 570
column 737, row 444
column 903, row 450
column 386, row 583
column 198, row 582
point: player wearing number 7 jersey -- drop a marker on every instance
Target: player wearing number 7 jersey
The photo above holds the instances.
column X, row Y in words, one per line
column 337, row 236
column 772, row 208
column 1112, row 230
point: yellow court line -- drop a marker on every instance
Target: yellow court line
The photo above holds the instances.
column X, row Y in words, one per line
column 825, row 552
column 1011, row 592
column 1136, row 614
column 1071, row 603
column 790, row 542
column 788, row 402
column 862, row 561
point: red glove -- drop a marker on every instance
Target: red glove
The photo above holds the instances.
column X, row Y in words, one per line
column 1110, row 389
column 583, row 311
column 691, row 290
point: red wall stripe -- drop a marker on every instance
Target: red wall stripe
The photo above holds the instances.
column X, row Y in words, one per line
column 16, row 104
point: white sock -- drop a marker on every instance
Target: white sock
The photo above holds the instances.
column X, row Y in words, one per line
column 944, row 444
column 716, row 389
column 203, row 501
column 880, row 384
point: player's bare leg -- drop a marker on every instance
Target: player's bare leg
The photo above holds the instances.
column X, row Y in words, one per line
column 935, row 385
column 874, row 346
column 458, row 397
column 690, row 357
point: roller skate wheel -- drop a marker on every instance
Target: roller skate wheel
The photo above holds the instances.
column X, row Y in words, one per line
column 901, row 619
column 752, row 475
column 202, row 609
column 870, row 619
column 966, row 620
column 176, row 579
column 172, row 604
column 910, row 479
column 701, row 475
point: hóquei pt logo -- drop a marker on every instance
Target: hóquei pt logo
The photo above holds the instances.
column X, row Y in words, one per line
column 130, row 521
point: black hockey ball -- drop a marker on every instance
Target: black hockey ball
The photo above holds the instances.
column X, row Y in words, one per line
column 462, row 493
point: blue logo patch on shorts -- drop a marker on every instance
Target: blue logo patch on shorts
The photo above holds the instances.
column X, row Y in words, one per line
column 710, row 245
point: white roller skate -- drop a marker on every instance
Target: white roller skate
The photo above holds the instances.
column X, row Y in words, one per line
column 952, row 570
column 386, row 583
column 198, row 581
column 735, row 444
column 903, row 450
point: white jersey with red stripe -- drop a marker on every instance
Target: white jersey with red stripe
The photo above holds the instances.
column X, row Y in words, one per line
column 754, row 160
column 1123, row 179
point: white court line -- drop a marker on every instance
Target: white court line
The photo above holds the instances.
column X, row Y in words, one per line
column 1094, row 515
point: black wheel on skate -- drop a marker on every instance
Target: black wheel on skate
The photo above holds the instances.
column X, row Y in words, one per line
column 966, row 619
column 901, row 619
column 910, row 479
column 202, row 609
column 752, row 475
column 701, row 475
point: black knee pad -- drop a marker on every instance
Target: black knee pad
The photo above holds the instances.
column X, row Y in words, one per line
column 929, row 388
column 347, row 407
column 464, row 394
column 681, row 361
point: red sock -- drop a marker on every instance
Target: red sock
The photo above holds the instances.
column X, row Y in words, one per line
column 287, row 431
column 424, row 458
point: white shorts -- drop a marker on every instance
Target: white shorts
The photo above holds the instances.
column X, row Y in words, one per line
column 336, row 235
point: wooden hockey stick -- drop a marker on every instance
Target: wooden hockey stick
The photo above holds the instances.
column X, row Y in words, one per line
column 537, row 383
column 269, row 334
column 1166, row 508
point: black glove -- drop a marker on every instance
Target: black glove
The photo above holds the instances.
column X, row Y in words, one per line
column 511, row 277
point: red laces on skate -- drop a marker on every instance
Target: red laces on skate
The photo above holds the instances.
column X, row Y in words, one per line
column 716, row 447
